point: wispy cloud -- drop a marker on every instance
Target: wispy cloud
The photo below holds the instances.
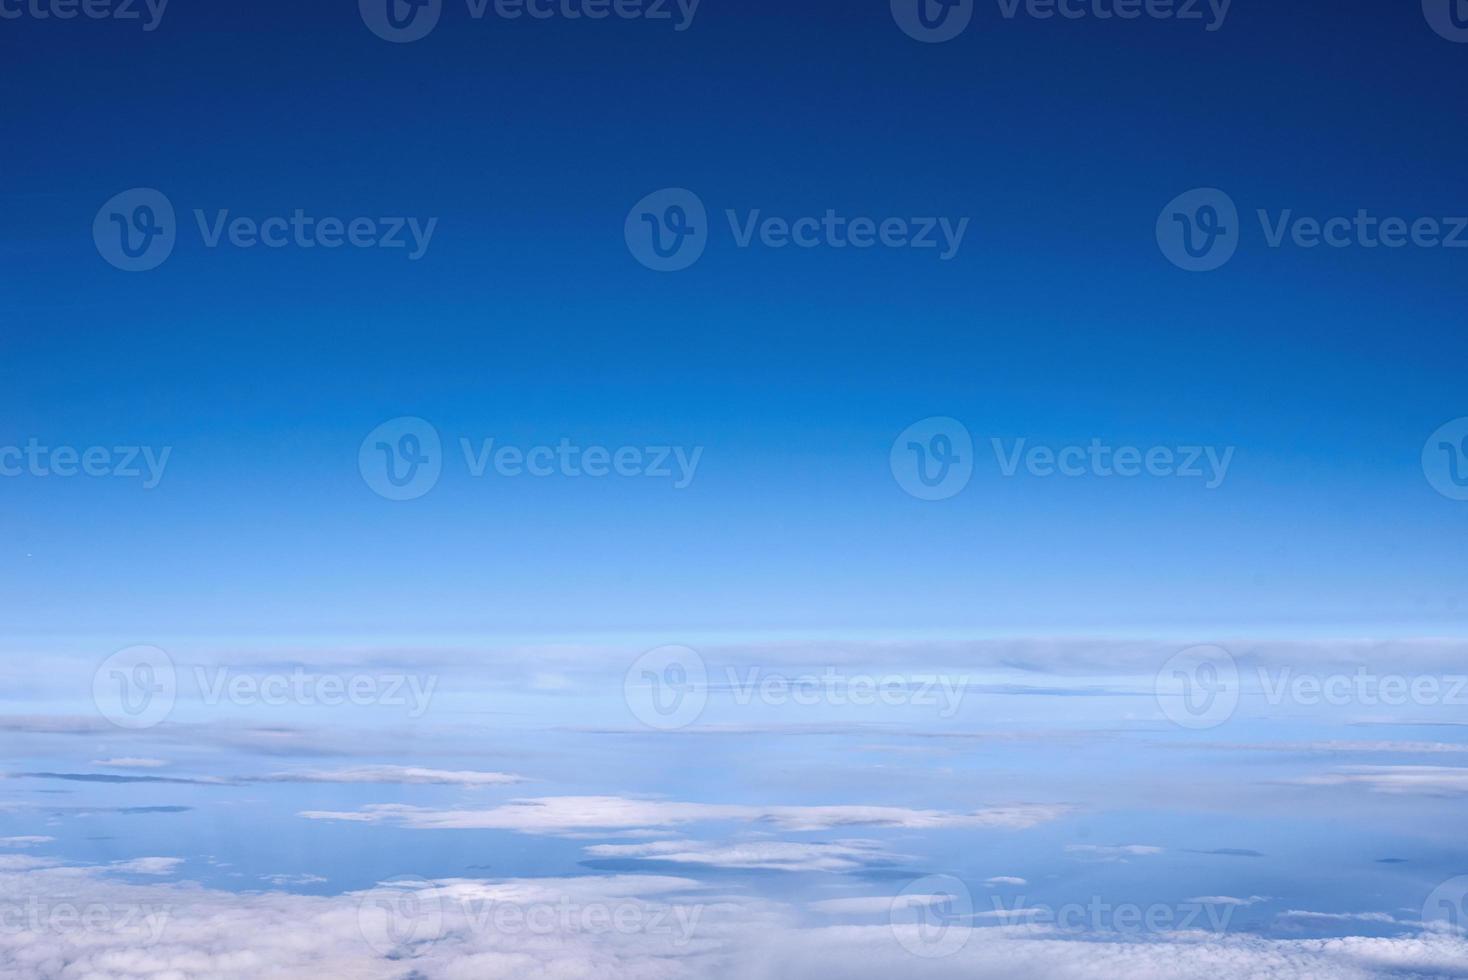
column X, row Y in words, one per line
column 560, row 814
column 1112, row 852
column 403, row 775
column 1408, row 780
column 771, row 855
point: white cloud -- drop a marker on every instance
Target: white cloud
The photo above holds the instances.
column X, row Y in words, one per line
column 129, row 763
column 405, row 775
column 302, row 879
column 1305, row 916
column 176, row 931
column 147, row 866
column 564, row 814
column 1228, row 900
column 1112, row 852
column 1406, row 780
column 773, row 855
column 856, row 905
column 1341, row 746
column 30, row 841
column 1005, row 880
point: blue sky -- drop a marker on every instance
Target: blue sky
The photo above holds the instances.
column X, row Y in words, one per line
column 527, row 320
column 766, row 403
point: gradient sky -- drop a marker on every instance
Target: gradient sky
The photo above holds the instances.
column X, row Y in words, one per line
column 1059, row 321
column 1072, row 765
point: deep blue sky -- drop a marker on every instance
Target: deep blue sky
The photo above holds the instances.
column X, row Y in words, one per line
column 528, row 320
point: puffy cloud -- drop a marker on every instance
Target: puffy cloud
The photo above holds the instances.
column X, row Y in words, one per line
column 82, row 924
column 147, row 866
